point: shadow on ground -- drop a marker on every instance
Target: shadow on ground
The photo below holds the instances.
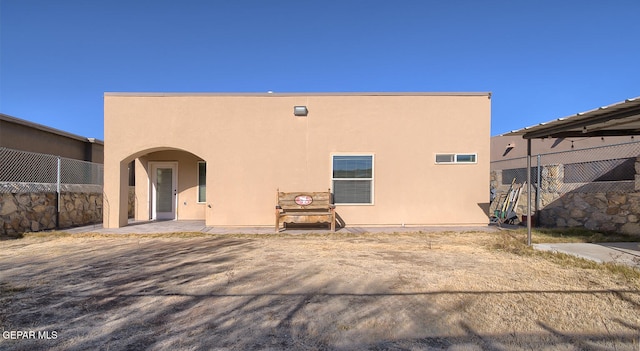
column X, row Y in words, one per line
column 229, row 293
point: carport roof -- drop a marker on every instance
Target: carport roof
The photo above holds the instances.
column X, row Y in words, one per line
column 622, row 118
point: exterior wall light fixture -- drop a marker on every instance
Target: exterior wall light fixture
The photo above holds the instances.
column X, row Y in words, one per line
column 300, row 111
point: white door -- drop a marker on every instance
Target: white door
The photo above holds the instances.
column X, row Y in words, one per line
column 164, row 190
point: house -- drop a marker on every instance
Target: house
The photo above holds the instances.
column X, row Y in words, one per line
column 388, row 158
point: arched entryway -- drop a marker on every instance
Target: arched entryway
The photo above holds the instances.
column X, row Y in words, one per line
column 161, row 184
column 170, row 184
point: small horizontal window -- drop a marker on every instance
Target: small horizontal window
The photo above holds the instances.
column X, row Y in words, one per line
column 466, row 158
column 445, row 158
column 456, row 158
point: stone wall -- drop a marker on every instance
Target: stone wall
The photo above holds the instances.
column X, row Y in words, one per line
column 32, row 211
column 36, row 211
column 80, row 209
column 132, row 202
column 610, row 212
column 26, row 212
column 596, row 206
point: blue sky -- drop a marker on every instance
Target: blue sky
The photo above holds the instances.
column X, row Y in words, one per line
column 540, row 59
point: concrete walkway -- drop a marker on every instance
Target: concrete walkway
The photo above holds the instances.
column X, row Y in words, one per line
column 149, row 227
column 621, row 253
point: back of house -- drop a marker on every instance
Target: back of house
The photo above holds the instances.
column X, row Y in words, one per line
column 389, row 159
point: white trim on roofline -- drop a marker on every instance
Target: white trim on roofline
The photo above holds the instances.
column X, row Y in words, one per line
column 160, row 94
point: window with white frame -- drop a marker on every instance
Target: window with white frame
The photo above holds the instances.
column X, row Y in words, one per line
column 456, row 158
column 202, row 181
column 352, row 177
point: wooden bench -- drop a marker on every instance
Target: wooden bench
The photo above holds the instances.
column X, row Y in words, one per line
column 304, row 207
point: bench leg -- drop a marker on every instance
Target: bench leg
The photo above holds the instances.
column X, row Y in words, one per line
column 333, row 222
column 277, row 221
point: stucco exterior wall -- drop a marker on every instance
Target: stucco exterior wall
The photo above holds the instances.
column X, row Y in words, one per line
column 253, row 144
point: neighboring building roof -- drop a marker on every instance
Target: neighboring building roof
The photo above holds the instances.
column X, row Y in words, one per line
column 622, row 118
column 11, row 119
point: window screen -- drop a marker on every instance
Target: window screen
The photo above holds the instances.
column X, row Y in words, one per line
column 353, row 179
column 456, row 158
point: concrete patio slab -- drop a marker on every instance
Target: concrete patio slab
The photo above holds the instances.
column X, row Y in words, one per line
column 621, row 253
column 149, row 227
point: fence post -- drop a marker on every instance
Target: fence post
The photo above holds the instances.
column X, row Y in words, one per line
column 538, row 182
column 58, row 198
column 529, row 192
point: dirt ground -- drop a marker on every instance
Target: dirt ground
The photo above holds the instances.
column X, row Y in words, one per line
column 415, row 291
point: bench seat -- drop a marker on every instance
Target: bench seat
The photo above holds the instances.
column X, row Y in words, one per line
column 304, row 208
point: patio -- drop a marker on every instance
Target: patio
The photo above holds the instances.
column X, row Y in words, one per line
column 171, row 226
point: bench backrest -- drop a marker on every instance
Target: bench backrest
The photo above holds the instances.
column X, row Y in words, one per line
column 304, row 200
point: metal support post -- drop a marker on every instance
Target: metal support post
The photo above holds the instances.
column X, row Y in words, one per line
column 59, row 199
column 529, row 192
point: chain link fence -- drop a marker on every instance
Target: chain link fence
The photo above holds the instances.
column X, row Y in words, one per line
column 22, row 172
column 599, row 169
column 598, row 188
column 42, row 192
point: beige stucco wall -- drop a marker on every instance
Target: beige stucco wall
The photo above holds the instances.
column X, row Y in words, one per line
column 253, row 144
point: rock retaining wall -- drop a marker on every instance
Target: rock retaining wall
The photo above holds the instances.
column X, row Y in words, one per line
column 26, row 212
column 588, row 205
column 132, row 202
column 35, row 210
column 610, row 212
column 32, row 212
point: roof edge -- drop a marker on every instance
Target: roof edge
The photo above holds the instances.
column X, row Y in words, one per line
column 283, row 94
column 586, row 114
